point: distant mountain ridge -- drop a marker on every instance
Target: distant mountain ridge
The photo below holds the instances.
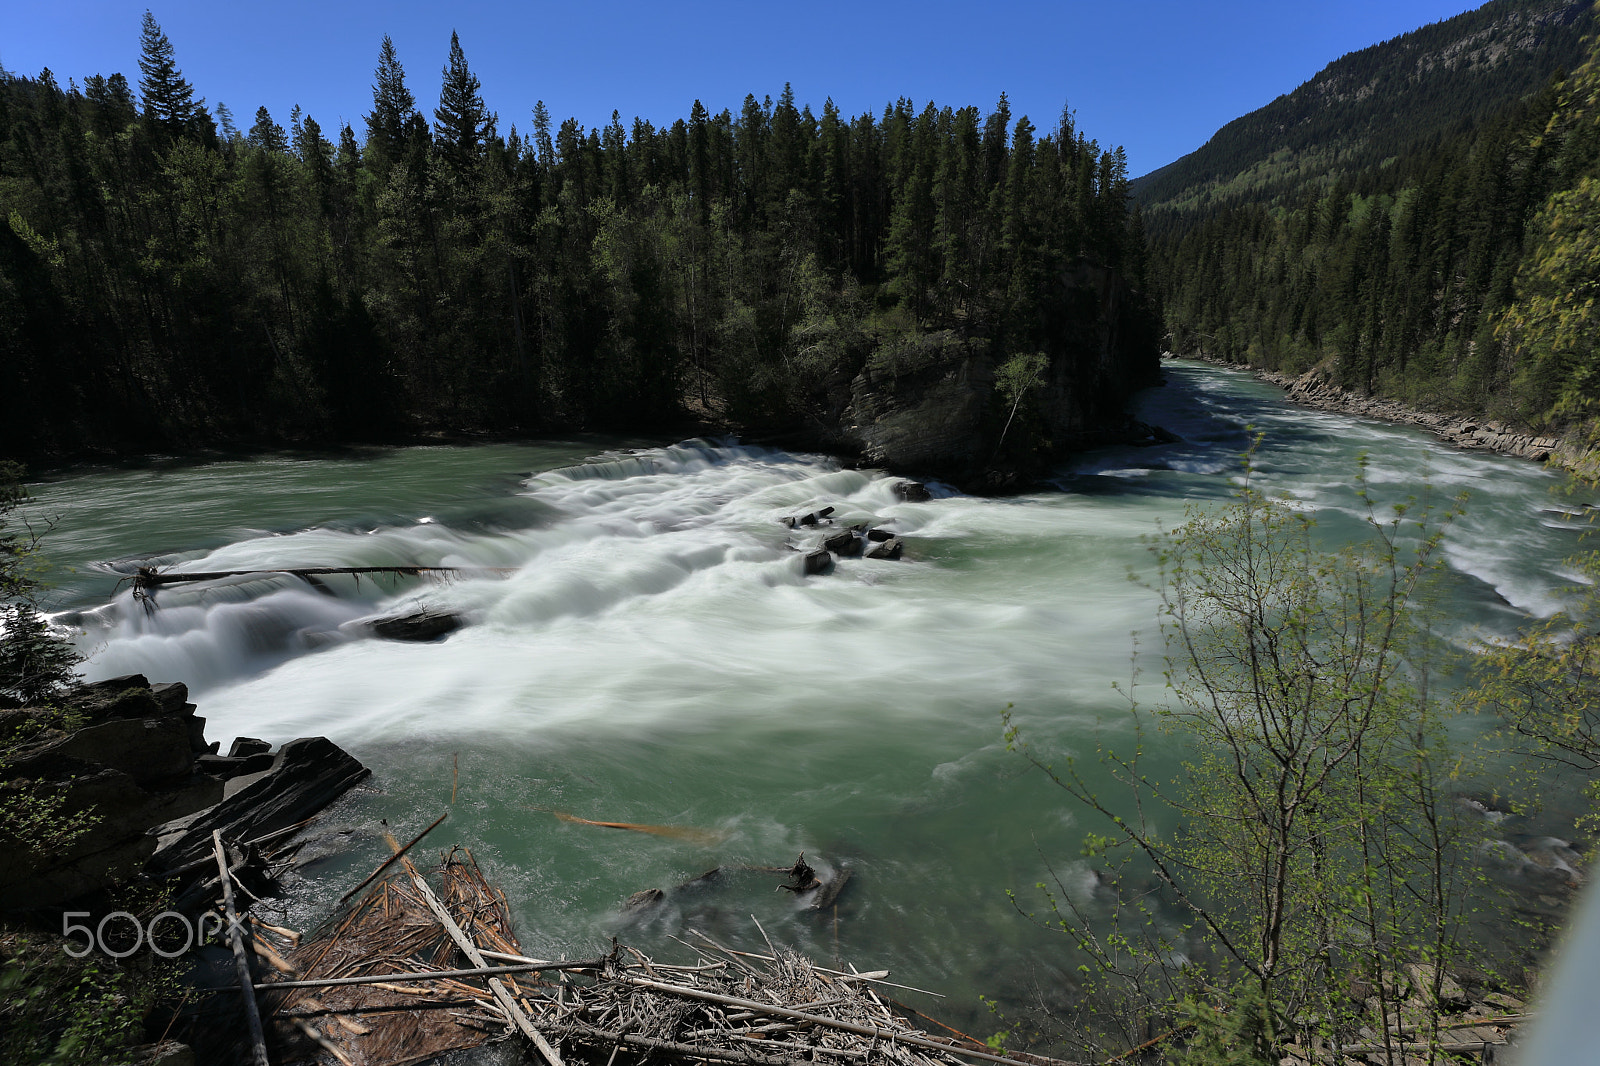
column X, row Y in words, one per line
column 1389, row 100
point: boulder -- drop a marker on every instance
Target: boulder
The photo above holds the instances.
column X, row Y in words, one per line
column 119, row 812
column 305, row 776
column 123, row 759
column 912, row 491
column 244, row 747
column 846, row 544
column 423, row 625
column 887, row 549
column 643, row 900
column 816, row 562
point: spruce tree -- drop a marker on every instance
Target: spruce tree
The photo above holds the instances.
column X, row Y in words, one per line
column 266, row 134
column 392, row 105
column 463, row 125
column 168, row 98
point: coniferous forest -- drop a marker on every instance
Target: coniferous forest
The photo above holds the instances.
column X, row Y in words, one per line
column 1458, row 274
column 173, row 275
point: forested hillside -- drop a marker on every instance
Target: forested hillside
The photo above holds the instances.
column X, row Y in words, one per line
column 1461, row 278
column 1373, row 108
column 171, row 277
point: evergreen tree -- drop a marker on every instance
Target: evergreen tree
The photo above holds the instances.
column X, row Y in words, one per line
column 462, row 124
column 392, row 106
column 267, row 135
column 168, row 98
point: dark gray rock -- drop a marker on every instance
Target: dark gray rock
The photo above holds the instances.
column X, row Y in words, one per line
column 817, row 562
column 845, row 544
column 426, row 624
column 244, row 747
column 888, row 549
column 643, row 900
column 116, row 845
column 149, row 749
column 305, row 776
column 912, row 491
column 815, row 518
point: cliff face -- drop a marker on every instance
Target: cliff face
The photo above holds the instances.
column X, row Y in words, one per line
column 928, row 404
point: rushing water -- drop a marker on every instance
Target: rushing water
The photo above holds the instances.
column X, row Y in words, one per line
column 647, row 650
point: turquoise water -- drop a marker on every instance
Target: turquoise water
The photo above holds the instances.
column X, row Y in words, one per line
column 653, row 654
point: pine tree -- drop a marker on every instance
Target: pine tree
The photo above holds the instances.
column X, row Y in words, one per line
column 168, row 98
column 463, row 125
column 266, row 134
column 392, row 105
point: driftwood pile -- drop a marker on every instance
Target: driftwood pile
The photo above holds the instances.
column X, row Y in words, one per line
column 414, row 971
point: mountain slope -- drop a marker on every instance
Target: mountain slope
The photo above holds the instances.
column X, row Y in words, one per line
column 1459, row 279
column 1391, row 100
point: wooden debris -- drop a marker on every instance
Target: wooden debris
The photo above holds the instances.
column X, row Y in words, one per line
column 148, row 577
column 412, row 959
column 373, row 876
column 241, row 961
column 705, row 837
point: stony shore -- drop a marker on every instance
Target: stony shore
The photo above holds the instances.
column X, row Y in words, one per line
column 1315, row 389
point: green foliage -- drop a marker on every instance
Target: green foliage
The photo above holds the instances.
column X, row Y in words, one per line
column 1454, row 271
column 1319, row 848
column 1554, row 321
column 1545, row 687
column 161, row 287
column 168, row 98
column 1245, row 1034
column 56, row 1010
column 35, row 662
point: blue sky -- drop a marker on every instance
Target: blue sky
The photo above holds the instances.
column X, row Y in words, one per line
column 1157, row 76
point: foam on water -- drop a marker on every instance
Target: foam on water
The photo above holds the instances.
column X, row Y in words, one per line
column 649, row 650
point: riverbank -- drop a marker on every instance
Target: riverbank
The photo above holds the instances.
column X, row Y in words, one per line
column 1315, row 389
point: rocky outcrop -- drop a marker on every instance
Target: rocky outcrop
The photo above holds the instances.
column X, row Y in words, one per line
column 928, row 403
column 1315, row 388
column 301, row 779
column 128, row 756
column 129, row 764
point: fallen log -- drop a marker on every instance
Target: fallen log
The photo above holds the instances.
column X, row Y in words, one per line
column 252, row 1013
column 390, row 860
column 428, row 975
column 506, row 1003
column 147, row 577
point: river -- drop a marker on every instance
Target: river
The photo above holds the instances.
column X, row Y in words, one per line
column 649, row 652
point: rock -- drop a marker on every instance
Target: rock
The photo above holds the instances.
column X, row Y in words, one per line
column 244, row 747
column 131, row 764
column 817, row 562
column 912, row 491
column 879, row 535
column 112, row 849
column 643, row 900
column 888, row 549
column 166, row 1053
column 426, row 624
column 149, row 749
column 845, row 544
column 305, row 776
